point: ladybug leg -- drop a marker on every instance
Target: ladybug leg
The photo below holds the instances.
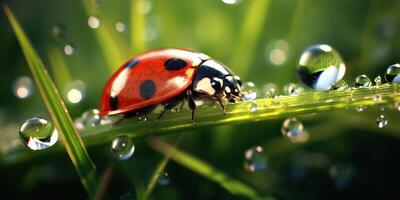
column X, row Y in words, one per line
column 192, row 104
column 169, row 105
column 222, row 105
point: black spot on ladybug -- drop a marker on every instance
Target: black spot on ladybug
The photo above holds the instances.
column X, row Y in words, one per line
column 147, row 89
column 113, row 103
column 132, row 64
column 174, row 64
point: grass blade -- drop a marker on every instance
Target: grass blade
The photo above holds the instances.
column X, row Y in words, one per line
column 59, row 114
column 138, row 24
column 232, row 185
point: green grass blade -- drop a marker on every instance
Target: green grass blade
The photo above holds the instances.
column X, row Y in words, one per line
column 55, row 105
column 232, row 185
column 250, row 32
column 112, row 44
column 138, row 24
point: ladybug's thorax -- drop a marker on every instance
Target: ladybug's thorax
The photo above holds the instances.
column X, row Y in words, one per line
column 215, row 80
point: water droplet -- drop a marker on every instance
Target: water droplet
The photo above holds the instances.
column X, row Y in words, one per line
column 392, row 74
column 120, row 27
column 378, row 98
column 381, row 121
column 255, row 159
column 59, row 30
column 292, row 89
column 91, row 118
column 320, row 66
column 78, row 122
column 249, row 91
column 163, row 179
column 253, row 107
column 340, row 85
column 142, row 118
column 38, row 133
column 75, row 91
column 363, row 81
column 122, row 147
column 276, row 52
column 270, row 90
column 342, row 174
column 231, row 2
column 360, row 108
column 69, row 49
column 294, row 130
column 378, row 80
column 94, row 22
column 22, row 87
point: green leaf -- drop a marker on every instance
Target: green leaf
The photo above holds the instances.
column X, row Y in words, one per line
column 138, row 24
column 232, row 185
column 58, row 112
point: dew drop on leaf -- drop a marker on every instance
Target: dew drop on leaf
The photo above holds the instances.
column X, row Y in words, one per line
column 378, row 98
column 363, row 81
column 269, row 90
column 292, row 89
column 340, row 85
column 163, row 179
column 253, row 107
column 122, row 148
column 38, row 133
column 392, row 74
column 91, row 118
column 320, row 66
column 381, row 121
column 249, row 91
column 294, row 130
column 378, row 80
column 255, row 159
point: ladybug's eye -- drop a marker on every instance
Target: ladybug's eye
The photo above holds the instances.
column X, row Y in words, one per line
column 216, row 85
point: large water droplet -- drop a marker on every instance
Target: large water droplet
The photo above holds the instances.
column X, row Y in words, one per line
column 94, row 22
column 342, row 174
column 392, row 74
column 363, row 81
column 255, row 159
column 163, row 179
column 38, row 133
column 294, row 130
column 91, row 118
column 122, row 148
column 320, row 66
column 381, row 121
column 69, row 49
column 22, row 87
column 292, row 89
column 269, row 90
column 340, row 85
column 249, row 91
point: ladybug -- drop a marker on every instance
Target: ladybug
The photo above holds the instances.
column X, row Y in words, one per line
column 167, row 77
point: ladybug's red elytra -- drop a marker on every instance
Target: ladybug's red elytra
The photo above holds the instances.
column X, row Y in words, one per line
column 167, row 77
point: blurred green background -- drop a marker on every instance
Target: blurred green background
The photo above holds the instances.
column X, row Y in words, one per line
column 347, row 156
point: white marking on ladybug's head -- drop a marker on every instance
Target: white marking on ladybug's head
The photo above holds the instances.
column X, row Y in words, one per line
column 204, row 86
column 227, row 90
column 119, row 82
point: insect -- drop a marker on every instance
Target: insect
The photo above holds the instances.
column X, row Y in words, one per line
column 167, row 77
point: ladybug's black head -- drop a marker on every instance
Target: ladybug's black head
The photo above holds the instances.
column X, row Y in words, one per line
column 215, row 80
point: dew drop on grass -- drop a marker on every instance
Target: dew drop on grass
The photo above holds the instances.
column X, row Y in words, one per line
column 381, row 121
column 292, row 89
column 163, row 179
column 340, row 85
column 94, row 22
column 363, row 81
column 59, row 30
column 269, row 90
column 22, row 87
column 122, row 148
column 69, row 49
column 38, row 133
column 392, row 74
column 142, row 118
column 320, row 66
column 294, row 130
column 378, row 98
column 91, row 118
column 253, row 107
column 249, row 91
column 255, row 159
column 342, row 174
column 120, row 27
column 78, row 122
column 378, row 80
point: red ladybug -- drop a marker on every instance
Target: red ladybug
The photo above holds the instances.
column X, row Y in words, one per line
column 167, row 76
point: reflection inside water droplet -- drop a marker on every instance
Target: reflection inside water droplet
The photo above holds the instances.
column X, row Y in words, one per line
column 255, row 159
column 38, row 133
column 122, row 148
